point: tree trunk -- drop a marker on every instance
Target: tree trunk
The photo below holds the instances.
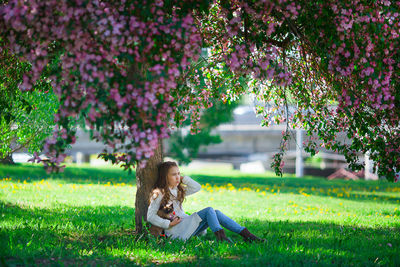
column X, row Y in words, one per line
column 145, row 180
column 8, row 160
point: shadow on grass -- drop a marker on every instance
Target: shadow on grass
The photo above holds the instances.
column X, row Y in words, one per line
column 104, row 235
column 73, row 174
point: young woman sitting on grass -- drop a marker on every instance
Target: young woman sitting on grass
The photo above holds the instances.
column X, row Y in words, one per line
column 169, row 189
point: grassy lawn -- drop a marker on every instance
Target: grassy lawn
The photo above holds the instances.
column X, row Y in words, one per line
column 84, row 217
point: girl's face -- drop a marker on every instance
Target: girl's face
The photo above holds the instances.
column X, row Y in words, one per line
column 173, row 176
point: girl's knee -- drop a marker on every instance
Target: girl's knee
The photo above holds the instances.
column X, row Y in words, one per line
column 218, row 212
column 210, row 210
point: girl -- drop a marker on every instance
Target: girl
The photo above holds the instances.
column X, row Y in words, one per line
column 169, row 188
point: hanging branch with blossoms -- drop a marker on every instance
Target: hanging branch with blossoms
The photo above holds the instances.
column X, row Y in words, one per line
column 336, row 62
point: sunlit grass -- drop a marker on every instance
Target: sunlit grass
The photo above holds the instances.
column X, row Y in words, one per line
column 86, row 218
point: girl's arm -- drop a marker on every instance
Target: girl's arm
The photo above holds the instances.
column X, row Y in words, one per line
column 152, row 216
column 192, row 185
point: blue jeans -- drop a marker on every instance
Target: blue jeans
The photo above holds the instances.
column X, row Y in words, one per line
column 214, row 219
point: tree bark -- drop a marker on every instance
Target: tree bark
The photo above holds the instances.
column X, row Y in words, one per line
column 8, row 160
column 145, row 180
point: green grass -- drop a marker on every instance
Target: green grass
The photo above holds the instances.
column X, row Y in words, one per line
column 84, row 217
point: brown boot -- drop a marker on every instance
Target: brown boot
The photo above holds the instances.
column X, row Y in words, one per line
column 220, row 234
column 249, row 236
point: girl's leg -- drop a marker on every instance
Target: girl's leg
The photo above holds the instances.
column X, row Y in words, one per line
column 228, row 223
column 213, row 218
column 210, row 219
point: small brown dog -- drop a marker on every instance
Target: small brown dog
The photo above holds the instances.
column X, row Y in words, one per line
column 166, row 212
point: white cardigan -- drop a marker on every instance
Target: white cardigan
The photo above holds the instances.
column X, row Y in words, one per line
column 188, row 224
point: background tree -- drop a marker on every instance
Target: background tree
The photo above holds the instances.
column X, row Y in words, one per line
column 128, row 69
column 27, row 118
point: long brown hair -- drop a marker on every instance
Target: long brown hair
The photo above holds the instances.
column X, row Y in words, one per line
column 161, row 186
